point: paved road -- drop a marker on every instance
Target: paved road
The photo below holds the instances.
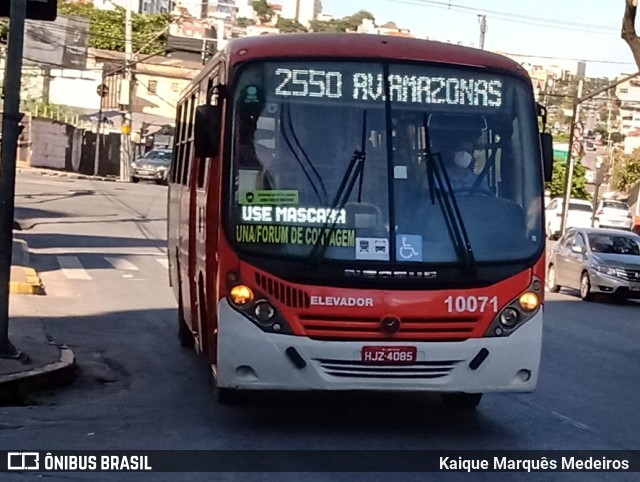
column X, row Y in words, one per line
column 100, row 250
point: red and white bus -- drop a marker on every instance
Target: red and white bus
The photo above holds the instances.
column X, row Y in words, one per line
column 360, row 212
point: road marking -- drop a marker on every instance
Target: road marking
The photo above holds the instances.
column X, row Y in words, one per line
column 570, row 421
column 164, row 262
column 120, row 263
column 72, row 267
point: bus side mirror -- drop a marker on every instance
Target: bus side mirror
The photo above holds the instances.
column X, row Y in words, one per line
column 208, row 125
column 546, row 142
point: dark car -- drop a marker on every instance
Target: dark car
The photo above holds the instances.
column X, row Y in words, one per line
column 596, row 261
column 154, row 166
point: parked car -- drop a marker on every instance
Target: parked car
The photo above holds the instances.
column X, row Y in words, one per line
column 613, row 214
column 578, row 215
column 596, row 261
column 153, row 166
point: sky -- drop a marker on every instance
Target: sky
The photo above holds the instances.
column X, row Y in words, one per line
column 565, row 29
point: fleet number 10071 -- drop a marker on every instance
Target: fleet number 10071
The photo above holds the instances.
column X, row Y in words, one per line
column 471, row 304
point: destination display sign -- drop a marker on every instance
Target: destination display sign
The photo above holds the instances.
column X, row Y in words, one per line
column 406, row 84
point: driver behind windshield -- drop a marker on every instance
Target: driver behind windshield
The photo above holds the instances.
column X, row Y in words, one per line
column 459, row 164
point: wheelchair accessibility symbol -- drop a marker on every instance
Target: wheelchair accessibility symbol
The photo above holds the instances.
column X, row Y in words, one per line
column 408, row 247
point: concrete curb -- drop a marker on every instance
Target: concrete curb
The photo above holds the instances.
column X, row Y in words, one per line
column 24, row 280
column 31, row 286
column 71, row 175
column 16, row 386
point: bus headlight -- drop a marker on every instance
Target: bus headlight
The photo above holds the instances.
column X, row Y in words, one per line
column 241, row 295
column 509, row 317
column 529, row 301
column 264, row 312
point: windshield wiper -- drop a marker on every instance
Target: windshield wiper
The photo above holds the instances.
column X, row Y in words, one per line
column 452, row 216
column 354, row 172
column 322, row 197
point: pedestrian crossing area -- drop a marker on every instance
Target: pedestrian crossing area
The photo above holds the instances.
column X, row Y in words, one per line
column 83, row 267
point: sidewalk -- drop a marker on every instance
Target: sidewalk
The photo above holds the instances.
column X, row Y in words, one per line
column 43, row 365
column 56, row 173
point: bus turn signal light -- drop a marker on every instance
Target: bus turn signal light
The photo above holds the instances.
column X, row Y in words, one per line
column 241, row 295
column 529, row 301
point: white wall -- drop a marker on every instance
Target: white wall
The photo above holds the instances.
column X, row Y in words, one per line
column 75, row 88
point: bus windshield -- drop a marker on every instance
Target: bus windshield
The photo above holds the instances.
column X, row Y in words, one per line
column 370, row 161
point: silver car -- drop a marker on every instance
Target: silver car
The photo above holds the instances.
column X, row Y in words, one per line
column 154, row 166
column 596, row 261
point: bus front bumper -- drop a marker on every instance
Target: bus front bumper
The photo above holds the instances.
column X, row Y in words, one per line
column 250, row 359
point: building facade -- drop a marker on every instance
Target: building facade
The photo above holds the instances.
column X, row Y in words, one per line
column 304, row 11
column 149, row 7
column 628, row 94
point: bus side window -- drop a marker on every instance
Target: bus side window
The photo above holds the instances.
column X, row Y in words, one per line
column 175, row 162
column 209, row 97
column 188, row 145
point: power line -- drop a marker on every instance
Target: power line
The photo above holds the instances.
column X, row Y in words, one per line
column 514, row 17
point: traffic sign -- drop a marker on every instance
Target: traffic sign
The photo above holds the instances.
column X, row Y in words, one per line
column 577, row 149
column 36, row 9
column 103, row 90
column 578, row 130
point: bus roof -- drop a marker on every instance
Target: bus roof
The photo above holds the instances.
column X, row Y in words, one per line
column 363, row 46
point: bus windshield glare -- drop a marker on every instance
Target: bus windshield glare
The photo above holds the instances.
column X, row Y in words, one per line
column 384, row 162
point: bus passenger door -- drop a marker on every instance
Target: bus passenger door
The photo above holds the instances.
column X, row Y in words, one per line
column 206, row 245
column 187, row 206
column 199, row 255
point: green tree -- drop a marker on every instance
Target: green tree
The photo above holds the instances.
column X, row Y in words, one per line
column 352, row 22
column 349, row 23
column 244, row 22
column 263, row 10
column 107, row 28
column 327, row 26
column 4, row 32
column 616, row 137
column 627, row 170
column 579, row 185
column 286, row 25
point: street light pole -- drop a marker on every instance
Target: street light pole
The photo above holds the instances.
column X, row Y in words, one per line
column 10, row 133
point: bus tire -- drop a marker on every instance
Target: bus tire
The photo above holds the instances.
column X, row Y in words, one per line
column 551, row 280
column 461, row 400
column 227, row 396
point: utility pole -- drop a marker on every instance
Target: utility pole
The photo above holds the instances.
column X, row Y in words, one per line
column 96, row 159
column 10, row 133
column 577, row 101
column 483, row 29
column 126, row 98
column 568, row 182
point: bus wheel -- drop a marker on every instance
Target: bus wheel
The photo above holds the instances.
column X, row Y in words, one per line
column 461, row 400
column 227, row 396
column 551, row 280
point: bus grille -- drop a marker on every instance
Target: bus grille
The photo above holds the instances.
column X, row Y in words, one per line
column 357, row 369
column 287, row 295
column 320, row 327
